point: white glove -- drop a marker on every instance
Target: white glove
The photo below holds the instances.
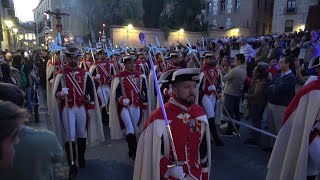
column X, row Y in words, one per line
column 176, row 172
column 64, row 91
column 98, row 76
column 212, row 88
column 125, row 102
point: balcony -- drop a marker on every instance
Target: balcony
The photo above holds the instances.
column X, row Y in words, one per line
column 290, row 11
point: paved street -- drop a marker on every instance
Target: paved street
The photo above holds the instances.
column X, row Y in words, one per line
column 233, row 161
column 110, row 160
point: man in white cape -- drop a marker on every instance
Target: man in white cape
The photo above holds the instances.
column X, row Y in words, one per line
column 83, row 110
column 190, row 132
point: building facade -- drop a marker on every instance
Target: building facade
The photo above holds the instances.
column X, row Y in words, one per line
column 26, row 37
column 290, row 15
column 8, row 23
column 73, row 25
column 253, row 14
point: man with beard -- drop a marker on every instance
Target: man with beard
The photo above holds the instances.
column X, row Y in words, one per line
column 190, row 134
column 103, row 73
column 210, row 84
column 87, row 62
column 70, row 114
column 129, row 101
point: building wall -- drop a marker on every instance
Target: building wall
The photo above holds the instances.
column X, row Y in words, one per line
column 246, row 16
column 121, row 37
column 299, row 17
column 74, row 24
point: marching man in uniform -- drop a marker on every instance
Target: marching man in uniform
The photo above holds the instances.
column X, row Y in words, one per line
column 74, row 97
column 103, row 73
column 190, row 136
column 87, row 62
column 210, row 84
column 130, row 106
column 141, row 64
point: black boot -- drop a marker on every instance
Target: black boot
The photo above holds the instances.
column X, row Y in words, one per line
column 81, row 150
column 132, row 145
column 105, row 116
column 214, row 132
column 73, row 168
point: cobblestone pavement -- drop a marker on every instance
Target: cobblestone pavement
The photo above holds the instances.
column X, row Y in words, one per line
column 109, row 160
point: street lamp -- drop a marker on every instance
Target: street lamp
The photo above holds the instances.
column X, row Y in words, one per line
column 15, row 30
column 129, row 27
column 9, row 23
column 180, row 32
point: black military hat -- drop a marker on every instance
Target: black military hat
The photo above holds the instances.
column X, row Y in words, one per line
column 72, row 52
column 127, row 58
column 186, row 74
column 101, row 51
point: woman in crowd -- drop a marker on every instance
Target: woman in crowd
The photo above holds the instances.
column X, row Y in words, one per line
column 17, row 63
column 293, row 51
column 6, row 75
column 257, row 100
column 11, row 116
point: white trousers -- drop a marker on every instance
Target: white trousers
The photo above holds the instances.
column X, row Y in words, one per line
column 77, row 117
column 104, row 95
column 125, row 116
column 209, row 104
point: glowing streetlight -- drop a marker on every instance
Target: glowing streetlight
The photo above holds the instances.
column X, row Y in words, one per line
column 129, row 27
column 180, row 32
column 9, row 23
column 20, row 36
column 15, row 30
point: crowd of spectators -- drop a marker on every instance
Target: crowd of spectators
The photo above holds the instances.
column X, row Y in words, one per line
column 25, row 153
column 274, row 71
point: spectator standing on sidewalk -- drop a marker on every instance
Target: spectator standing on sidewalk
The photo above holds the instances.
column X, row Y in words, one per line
column 280, row 93
column 262, row 53
column 37, row 151
column 293, row 51
column 11, row 116
column 312, row 47
column 233, row 90
column 257, row 99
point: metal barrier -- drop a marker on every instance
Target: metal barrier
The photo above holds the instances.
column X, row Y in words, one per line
column 250, row 127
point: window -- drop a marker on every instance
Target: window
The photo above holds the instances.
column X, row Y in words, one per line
column 265, row 6
column 291, row 5
column 222, row 6
column 237, row 6
column 209, row 8
column 288, row 26
column 215, row 7
column 229, row 6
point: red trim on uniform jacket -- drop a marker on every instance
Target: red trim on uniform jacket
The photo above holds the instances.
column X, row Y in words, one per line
column 315, row 85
